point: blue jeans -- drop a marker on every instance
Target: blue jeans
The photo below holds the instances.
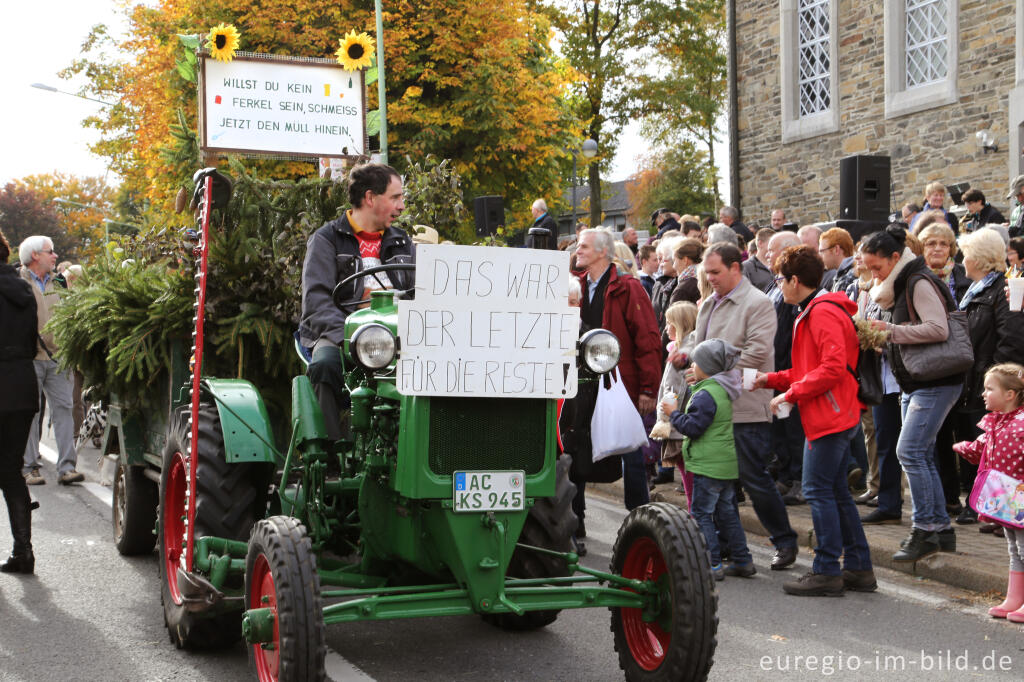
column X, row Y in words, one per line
column 753, row 443
column 924, row 410
column 634, row 480
column 714, row 508
column 837, row 526
column 859, row 455
column 888, row 423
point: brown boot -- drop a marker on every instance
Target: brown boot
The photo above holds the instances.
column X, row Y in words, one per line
column 815, row 585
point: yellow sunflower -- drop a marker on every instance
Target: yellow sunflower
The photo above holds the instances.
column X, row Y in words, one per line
column 222, row 42
column 355, row 51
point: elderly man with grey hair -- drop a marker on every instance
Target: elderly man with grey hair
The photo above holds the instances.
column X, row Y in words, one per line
column 720, row 232
column 619, row 304
column 730, row 217
column 38, row 260
column 809, row 235
column 542, row 220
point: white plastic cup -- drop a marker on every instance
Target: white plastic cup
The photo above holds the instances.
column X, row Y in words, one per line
column 783, row 409
column 1016, row 293
column 749, row 376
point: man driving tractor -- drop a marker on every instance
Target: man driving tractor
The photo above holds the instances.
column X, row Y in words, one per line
column 360, row 239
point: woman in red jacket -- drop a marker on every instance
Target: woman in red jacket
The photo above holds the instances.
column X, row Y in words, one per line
column 823, row 385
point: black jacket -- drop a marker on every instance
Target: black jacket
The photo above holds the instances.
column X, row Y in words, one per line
column 17, row 343
column 988, row 214
column 330, row 255
column 912, row 276
column 549, row 224
column 997, row 336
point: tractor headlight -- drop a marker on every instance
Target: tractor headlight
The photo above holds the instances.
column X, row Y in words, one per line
column 373, row 346
column 599, row 350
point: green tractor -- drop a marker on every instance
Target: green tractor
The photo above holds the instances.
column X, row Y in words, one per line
column 431, row 506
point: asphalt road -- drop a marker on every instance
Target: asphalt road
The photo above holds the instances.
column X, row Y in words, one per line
column 90, row 614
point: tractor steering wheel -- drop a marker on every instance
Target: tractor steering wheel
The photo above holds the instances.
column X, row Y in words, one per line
column 340, row 292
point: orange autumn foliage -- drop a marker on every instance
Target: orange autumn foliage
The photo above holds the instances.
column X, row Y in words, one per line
column 476, row 83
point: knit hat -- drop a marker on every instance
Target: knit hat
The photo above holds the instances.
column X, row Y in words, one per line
column 714, row 356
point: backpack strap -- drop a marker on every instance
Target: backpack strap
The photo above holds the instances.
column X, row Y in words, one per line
column 851, row 370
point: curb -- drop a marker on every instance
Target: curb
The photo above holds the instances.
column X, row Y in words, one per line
column 980, row 566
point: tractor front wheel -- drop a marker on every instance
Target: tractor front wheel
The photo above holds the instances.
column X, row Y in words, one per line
column 280, row 575
column 134, row 510
column 550, row 525
column 674, row 639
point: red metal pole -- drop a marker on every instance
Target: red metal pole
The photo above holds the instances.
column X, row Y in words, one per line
column 197, row 365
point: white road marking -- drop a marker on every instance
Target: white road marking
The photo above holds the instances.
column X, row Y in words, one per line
column 338, row 669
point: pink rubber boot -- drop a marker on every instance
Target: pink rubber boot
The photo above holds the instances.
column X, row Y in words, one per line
column 1010, row 608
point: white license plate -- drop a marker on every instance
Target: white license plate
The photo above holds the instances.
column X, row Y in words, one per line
column 477, row 491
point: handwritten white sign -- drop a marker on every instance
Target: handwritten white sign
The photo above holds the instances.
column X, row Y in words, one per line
column 280, row 105
column 489, row 322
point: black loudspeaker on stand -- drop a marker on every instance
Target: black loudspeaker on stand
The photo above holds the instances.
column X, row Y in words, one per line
column 864, row 188
column 489, row 214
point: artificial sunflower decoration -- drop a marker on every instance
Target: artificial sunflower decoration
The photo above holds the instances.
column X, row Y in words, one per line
column 223, row 41
column 355, row 51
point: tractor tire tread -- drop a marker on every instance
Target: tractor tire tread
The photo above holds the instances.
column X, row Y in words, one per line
column 690, row 654
column 142, row 497
column 229, row 499
column 290, row 555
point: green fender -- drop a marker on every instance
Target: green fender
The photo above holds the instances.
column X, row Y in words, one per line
column 243, row 420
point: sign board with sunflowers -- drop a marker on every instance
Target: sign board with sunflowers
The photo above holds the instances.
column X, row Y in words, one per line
column 259, row 104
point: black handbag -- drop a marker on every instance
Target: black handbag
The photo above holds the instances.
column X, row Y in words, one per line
column 869, row 377
column 930, row 361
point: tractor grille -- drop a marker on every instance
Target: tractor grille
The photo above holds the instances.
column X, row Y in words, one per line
column 496, row 434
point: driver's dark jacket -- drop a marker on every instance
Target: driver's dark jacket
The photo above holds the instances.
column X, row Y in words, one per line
column 330, row 252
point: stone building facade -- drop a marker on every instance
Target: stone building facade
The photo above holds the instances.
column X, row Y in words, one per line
column 915, row 80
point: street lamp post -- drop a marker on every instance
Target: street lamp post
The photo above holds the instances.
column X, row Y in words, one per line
column 107, row 222
column 590, row 151
column 50, row 88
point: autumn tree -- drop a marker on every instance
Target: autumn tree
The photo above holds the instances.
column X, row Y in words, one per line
column 82, row 206
column 685, row 91
column 677, row 178
column 476, row 83
column 609, row 42
column 23, row 213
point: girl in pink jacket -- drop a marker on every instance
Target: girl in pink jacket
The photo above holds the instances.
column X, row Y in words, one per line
column 1001, row 447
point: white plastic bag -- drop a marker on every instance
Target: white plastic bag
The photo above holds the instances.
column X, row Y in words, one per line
column 616, row 427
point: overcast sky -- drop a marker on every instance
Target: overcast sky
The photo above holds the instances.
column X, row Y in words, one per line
column 43, row 131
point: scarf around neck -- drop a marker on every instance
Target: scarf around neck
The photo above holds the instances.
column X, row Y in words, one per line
column 976, row 288
column 883, row 293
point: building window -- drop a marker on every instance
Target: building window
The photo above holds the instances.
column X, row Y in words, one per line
column 808, row 68
column 813, row 28
column 921, row 55
column 927, row 32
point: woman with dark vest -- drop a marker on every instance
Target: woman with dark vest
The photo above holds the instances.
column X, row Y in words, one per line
column 924, row 404
column 18, row 403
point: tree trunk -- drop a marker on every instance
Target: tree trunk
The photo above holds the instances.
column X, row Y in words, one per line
column 711, row 164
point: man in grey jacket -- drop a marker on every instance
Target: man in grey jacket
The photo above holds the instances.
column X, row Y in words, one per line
column 745, row 317
column 362, row 238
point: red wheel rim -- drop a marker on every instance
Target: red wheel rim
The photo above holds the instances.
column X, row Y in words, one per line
column 174, row 522
column 265, row 597
column 647, row 642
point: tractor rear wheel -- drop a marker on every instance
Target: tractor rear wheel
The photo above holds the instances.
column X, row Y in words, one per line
column 134, row 510
column 550, row 525
column 662, row 543
column 280, row 574
column 229, row 499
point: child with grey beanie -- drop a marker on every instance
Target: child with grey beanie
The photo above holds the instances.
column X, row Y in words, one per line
column 710, row 453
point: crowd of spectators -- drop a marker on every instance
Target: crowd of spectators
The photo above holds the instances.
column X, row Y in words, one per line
column 804, row 429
